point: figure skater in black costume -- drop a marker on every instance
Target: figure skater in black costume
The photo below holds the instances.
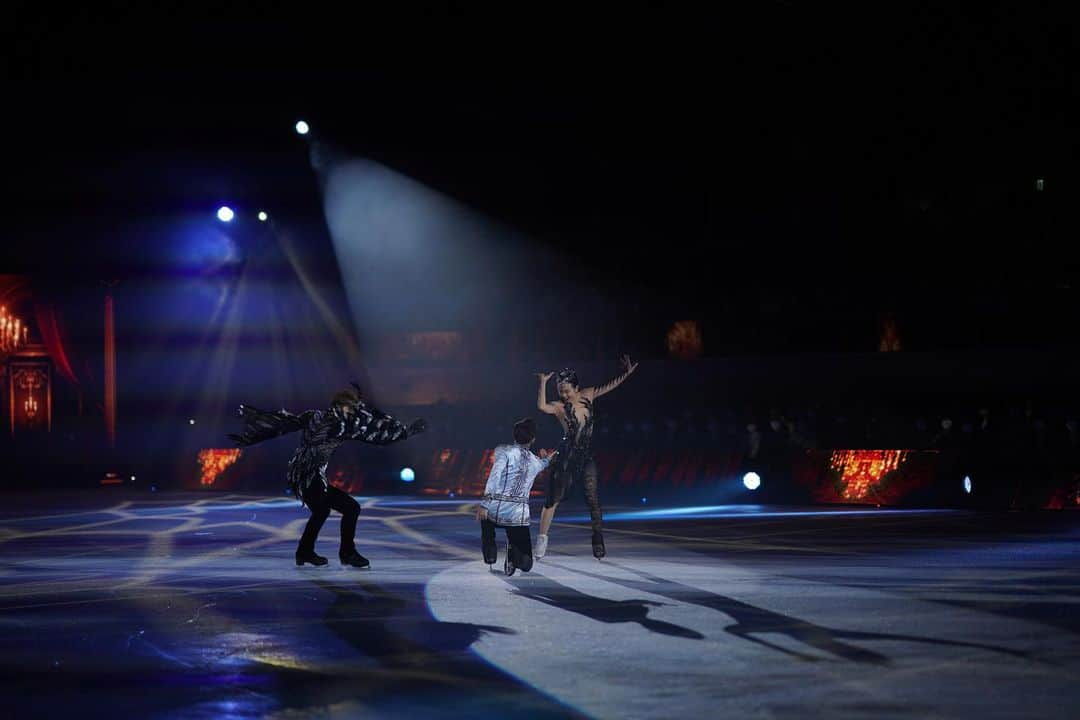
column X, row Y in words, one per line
column 349, row 417
column 574, row 462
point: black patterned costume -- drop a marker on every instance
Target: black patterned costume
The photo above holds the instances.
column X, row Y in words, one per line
column 575, row 464
column 322, row 432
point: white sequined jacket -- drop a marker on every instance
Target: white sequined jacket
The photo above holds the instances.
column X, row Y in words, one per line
column 506, row 497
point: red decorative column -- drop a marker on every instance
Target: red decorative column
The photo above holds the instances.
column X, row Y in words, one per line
column 110, row 373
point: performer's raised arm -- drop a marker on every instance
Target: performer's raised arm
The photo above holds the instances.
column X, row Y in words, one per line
column 260, row 425
column 628, row 369
column 542, row 403
column 370, row 425
column 351, row 418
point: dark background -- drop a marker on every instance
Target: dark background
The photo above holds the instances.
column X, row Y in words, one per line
column 786, row 175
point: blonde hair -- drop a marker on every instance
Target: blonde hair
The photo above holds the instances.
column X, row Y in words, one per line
column 345, row 397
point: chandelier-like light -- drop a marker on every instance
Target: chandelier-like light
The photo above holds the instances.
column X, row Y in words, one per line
column 13, row 334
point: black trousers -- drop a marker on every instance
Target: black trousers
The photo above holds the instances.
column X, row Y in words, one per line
column 520, row 544
column 321, row 500
column 561, row 482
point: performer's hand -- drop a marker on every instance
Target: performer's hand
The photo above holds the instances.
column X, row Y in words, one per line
column 481, row 513
column 418, row 426
column 543, row 453
column 627, row 365
column 544, row 377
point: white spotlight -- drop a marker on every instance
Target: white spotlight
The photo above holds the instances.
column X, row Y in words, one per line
column 967, row 484
column 751, row 480
column 302, row 128
column 263, row 216
column 225, row 213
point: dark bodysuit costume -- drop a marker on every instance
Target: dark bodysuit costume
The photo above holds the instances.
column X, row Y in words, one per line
column 322, row 432
column 575, row 463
